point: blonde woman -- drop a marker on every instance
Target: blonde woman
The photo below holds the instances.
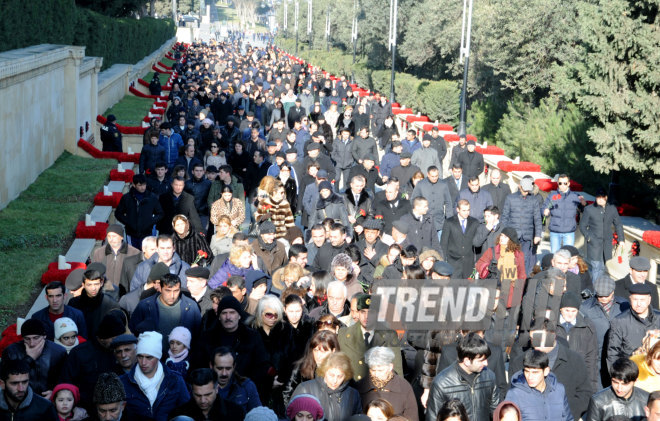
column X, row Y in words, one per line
column 224, row 231
column 241, row 260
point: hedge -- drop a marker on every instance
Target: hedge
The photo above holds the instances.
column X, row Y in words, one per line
column 117, row 40
column 439, row 100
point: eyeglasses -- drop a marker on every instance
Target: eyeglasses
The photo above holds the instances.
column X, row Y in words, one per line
column 270, row 315
column 563, row 183
column 325, row 323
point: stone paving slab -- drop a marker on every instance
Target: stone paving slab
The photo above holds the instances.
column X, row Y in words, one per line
column 100, row 213
column 80, row 250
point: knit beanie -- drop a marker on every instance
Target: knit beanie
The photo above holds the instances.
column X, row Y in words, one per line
column 261, row 413
column 66, row 386
column 229, row 302
column 33, row 327
column 150, row 343
column 307, row 403
column 181, row 334
column 64, row 325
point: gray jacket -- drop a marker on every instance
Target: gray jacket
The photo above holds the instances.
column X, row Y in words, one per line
column 440, row 205
column 342, row 154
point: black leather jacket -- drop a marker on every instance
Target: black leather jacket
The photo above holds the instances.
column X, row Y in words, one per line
column 480, row 398
column 606, row 404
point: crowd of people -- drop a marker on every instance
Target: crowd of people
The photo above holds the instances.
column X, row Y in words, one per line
column 237, row 282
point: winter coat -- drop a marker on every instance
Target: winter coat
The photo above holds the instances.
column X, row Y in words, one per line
column 450, row 182
column 45, row 370
column 70, row 312
column 188, row 164
column 596, row 226
column 472, row 162
column 606, row 404
column 270, row 261
column 421, row 234
column 150, row 156
column 279, row 347
column 582, row 338
column 355, row 210
column 622, row 289
column 199, row 189
column 563, row 209
column 391, row 211
column 551, row 404
column 404, row 174
column 221, row 409
column 226, row 270
column 332, row 207
column 342, row 154
column 33, row 407
column 177, row 267
column 325, row 254
column 148, row 310
column 627, row 331
column 457, row 245
column 113, row 262
column 236, row 214
column 384, row 135
column 479, row 201
column 171, row 145
column 487, row 258
column 139, row 215
column 171, row 394
column 498, row 193
column 397, row 392
column 479, row 398
column 486, row 238
column 364, row 146
column 423, row 158
column 372, row 176
column 217, row 185
column 189, row 246
column 171, row 207
column 411, row 146
column 440, row 204
column 338, row 404
column 569, row 370
column 389, row 161
column 523, row 214
column 94, row 309
column 448, row 354
column 593, row 311
column 279, row 213
column 242, row 392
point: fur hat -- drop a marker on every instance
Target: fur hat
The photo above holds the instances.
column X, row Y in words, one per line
column 108, row 389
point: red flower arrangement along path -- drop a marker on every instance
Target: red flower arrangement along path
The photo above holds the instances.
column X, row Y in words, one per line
column 55, row 274
column 97, row 231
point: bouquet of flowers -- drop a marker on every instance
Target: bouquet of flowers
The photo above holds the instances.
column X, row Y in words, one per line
column 201, row 254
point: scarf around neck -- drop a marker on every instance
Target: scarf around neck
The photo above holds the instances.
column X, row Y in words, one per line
column 150, row 386
column 178, row 357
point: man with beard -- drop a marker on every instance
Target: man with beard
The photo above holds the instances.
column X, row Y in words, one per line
column 110, row 399
column 18, row 401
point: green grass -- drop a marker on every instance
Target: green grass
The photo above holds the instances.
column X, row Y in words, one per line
column 166, row 61
column 40, row 224
column 131, row 110
column 162, row 76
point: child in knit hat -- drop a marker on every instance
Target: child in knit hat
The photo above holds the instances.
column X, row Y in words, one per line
column 66, row 333
column 179, row 351
column 65, row 397
column 302, row 407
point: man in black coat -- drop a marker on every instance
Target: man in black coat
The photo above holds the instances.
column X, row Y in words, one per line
column 421, row 228
column 567, row 365
column 471, row 161
column 175, row 202
column 392, row 207
column 498, row 190
column 139, row 210
column 639, row 273
column 456, row 181
column 295, row 113
column 596, row 226
column 110, row 135
column 336, row 244
column 457, row 238
column 437, row 142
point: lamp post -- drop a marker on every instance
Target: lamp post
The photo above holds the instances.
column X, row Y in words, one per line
column 393, row 22
column 285, row 20
column 310, row 34
column 465, row 54
column 327, row 29
column 296, row 24
column 354, row 29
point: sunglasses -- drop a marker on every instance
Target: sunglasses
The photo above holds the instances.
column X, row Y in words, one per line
column 270, row 315
column 328, row 323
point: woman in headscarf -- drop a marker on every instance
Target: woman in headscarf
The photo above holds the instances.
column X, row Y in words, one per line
column 190, row 245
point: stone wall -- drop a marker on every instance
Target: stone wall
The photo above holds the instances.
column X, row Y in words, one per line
column 48, row 92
